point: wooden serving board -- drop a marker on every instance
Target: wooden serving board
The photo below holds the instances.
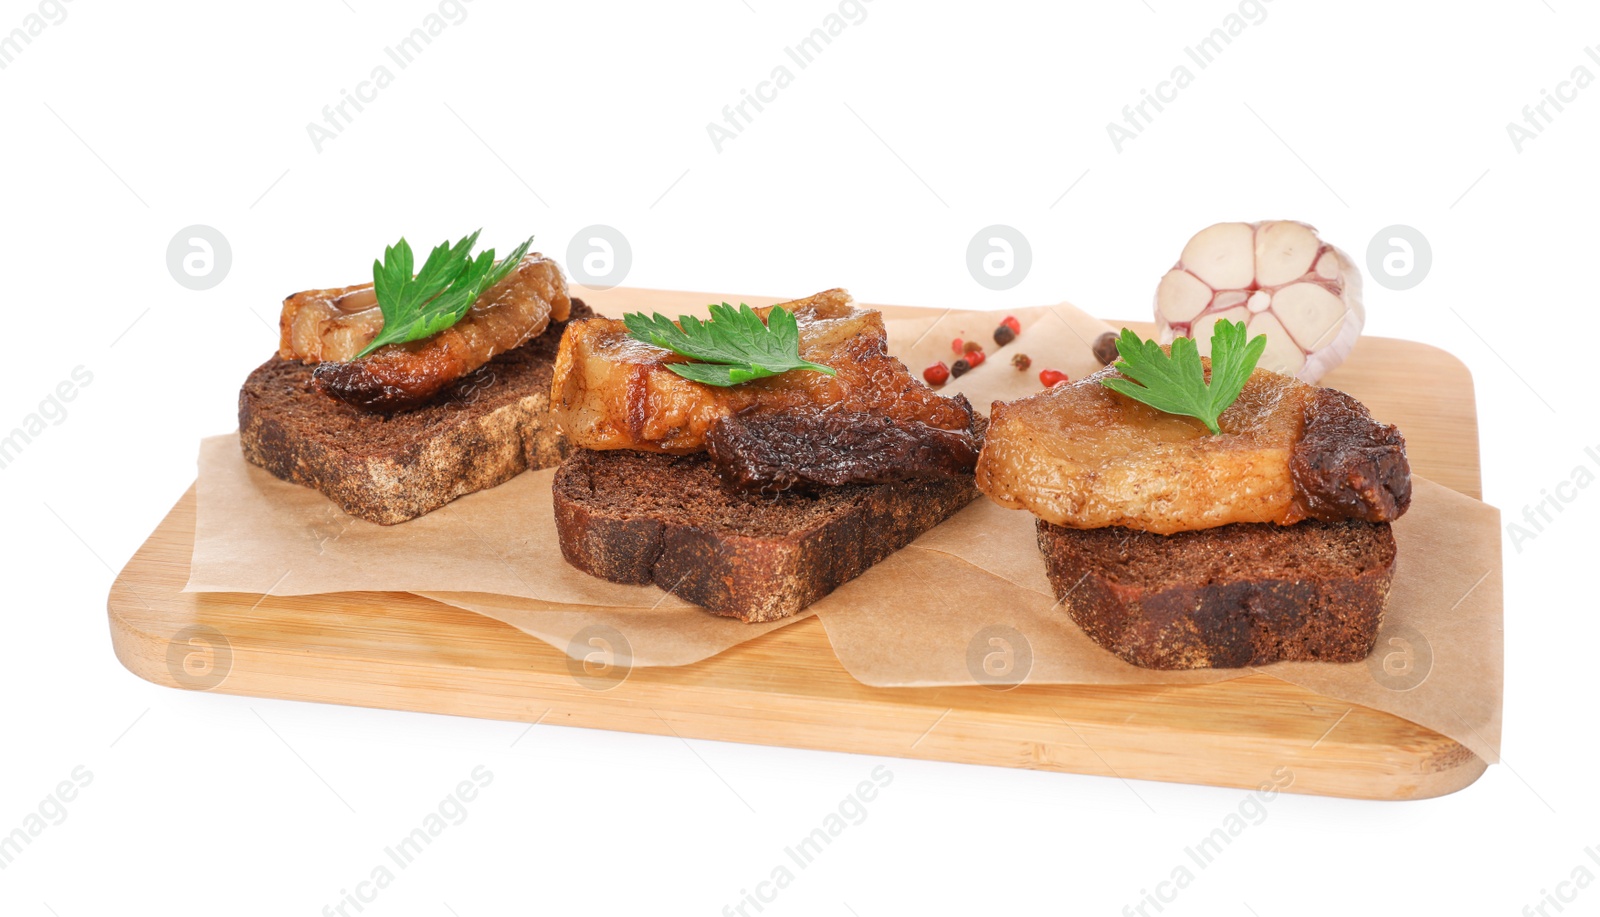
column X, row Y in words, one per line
column 400, row 651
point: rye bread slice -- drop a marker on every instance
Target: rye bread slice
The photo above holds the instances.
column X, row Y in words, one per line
column 484, row 429
column 1238, row 595
column 638, row 517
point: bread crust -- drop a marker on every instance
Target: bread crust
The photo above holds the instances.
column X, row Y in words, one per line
column 484, row 429
column 1239, row 595
column 636, row 517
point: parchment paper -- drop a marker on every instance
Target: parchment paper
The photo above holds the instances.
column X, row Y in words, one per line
column 919, row 618
column 1439, row 662
column 493, row 552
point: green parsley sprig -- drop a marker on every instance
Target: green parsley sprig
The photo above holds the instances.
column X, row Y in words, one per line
column 1177, row 383
column 734, row 346
column 451, row 280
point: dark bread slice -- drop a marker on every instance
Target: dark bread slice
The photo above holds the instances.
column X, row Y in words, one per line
column 1238, row 595
column 484, row 429
column 638, row 517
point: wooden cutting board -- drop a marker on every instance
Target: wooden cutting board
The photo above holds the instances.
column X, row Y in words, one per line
column 400, row 651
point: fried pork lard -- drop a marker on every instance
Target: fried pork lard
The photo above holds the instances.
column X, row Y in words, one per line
column 1083, row 456
column 614, row 392
column 329, row 327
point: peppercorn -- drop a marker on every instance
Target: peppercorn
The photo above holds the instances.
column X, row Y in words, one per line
column 970, row 346
column 955, row 345
column 975, row 357
column 1003, row 335
column 1010, row 321
column 1049, row 378
column 959, row 368
column 1105, row 348
column 1021, row 362
column 937, row 374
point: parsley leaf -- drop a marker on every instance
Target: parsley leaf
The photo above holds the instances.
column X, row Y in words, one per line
column 451, row 280
column 1177, row 383
column 734, row 346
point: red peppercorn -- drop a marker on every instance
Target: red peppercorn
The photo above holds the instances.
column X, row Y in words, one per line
column 937, row 374
column 955, row 345
column 959, row 367
column 1010, row 321
column 974, row 357
column 1050, row 378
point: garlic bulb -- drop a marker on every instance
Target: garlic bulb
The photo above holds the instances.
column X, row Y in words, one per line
column 1280, row 279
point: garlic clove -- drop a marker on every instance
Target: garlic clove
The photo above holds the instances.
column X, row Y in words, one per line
column 1309, row 313
column 1285, row 251
column 1328, row 265
column 1181, row 296
column 1227, row 299
column 1222, row 255
column 1282, row 354
column 1204, row 324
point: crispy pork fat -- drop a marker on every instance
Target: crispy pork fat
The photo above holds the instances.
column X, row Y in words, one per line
column 1083, row 456
column 614, row 392
column 329, row 327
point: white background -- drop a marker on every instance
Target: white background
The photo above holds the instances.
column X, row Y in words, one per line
column 917, row 126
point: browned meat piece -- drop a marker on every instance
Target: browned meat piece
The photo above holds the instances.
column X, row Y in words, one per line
column 1347, row 466
column 771, row 451
column 330, row 327
column 1083, row 456
column 613, row 392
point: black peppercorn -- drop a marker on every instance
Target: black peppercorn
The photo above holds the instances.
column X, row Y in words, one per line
column 1105, row 348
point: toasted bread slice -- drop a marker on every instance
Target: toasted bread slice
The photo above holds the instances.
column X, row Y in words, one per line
column 1237, row 595
column 644, row 517
column 482, row 430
